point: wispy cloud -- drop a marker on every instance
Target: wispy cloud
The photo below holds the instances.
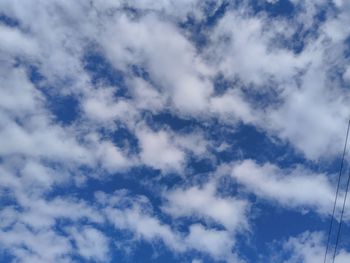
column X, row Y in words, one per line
column 162, row 153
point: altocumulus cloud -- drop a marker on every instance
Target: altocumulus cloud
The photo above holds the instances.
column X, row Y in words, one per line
column 171, row 131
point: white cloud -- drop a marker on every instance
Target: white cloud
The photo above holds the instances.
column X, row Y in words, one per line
column 204, row 202
column 27, row 127
column 34, row 174
column 40, row 246
column 18, row 93
column 91, row 243
column 112, row 158
column 15, row 42
column 193, row 142
column 346, row 75
column 305, row 96
column 38, row 153
column 179, row 10
column 145, row 227
column 216, row 243
column 241, row 48
column 168, row 150
column 295, row 188
column 135, row 215
column 159, row 151
column 182, row 75
column 101, row 106
column 145, row 96
column 29, row 229
column 43, row 140
column 232, row 107
column 309, row 248
column 313, row 117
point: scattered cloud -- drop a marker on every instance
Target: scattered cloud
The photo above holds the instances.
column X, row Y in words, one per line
column 289, row 187
column 167, row 103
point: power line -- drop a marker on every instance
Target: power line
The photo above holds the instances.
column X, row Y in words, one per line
column 341, row 217
column 336, row 198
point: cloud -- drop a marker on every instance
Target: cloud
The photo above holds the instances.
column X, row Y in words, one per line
column 91, row 244
column 16, row 42
column 203, row 202
column 159, row 151
column 214, row 242
column 284, row 76
column 40, row 246
column 112, row 158
column 248, row 53
column 313, row 106
column 30, row 230
column 308, row 247
column 232, row 107
column 182, row 76
column 346, row 75
column 289, row 81
column 102, row 106
column 294, row 188
column 145, row 97
column 134, row 214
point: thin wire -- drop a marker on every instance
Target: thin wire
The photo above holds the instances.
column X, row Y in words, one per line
column 336, row 195
column 341, row 217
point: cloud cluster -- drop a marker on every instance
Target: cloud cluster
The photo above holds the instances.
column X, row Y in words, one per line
column 101, row 95
column 290, row 188
column 308, row 248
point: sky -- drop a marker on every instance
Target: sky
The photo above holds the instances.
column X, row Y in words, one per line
column 189, row 131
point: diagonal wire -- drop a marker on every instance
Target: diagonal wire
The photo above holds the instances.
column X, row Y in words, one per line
column 336, row 196
column 341, row 218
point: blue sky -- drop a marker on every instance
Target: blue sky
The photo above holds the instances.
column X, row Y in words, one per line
column 172, row 131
